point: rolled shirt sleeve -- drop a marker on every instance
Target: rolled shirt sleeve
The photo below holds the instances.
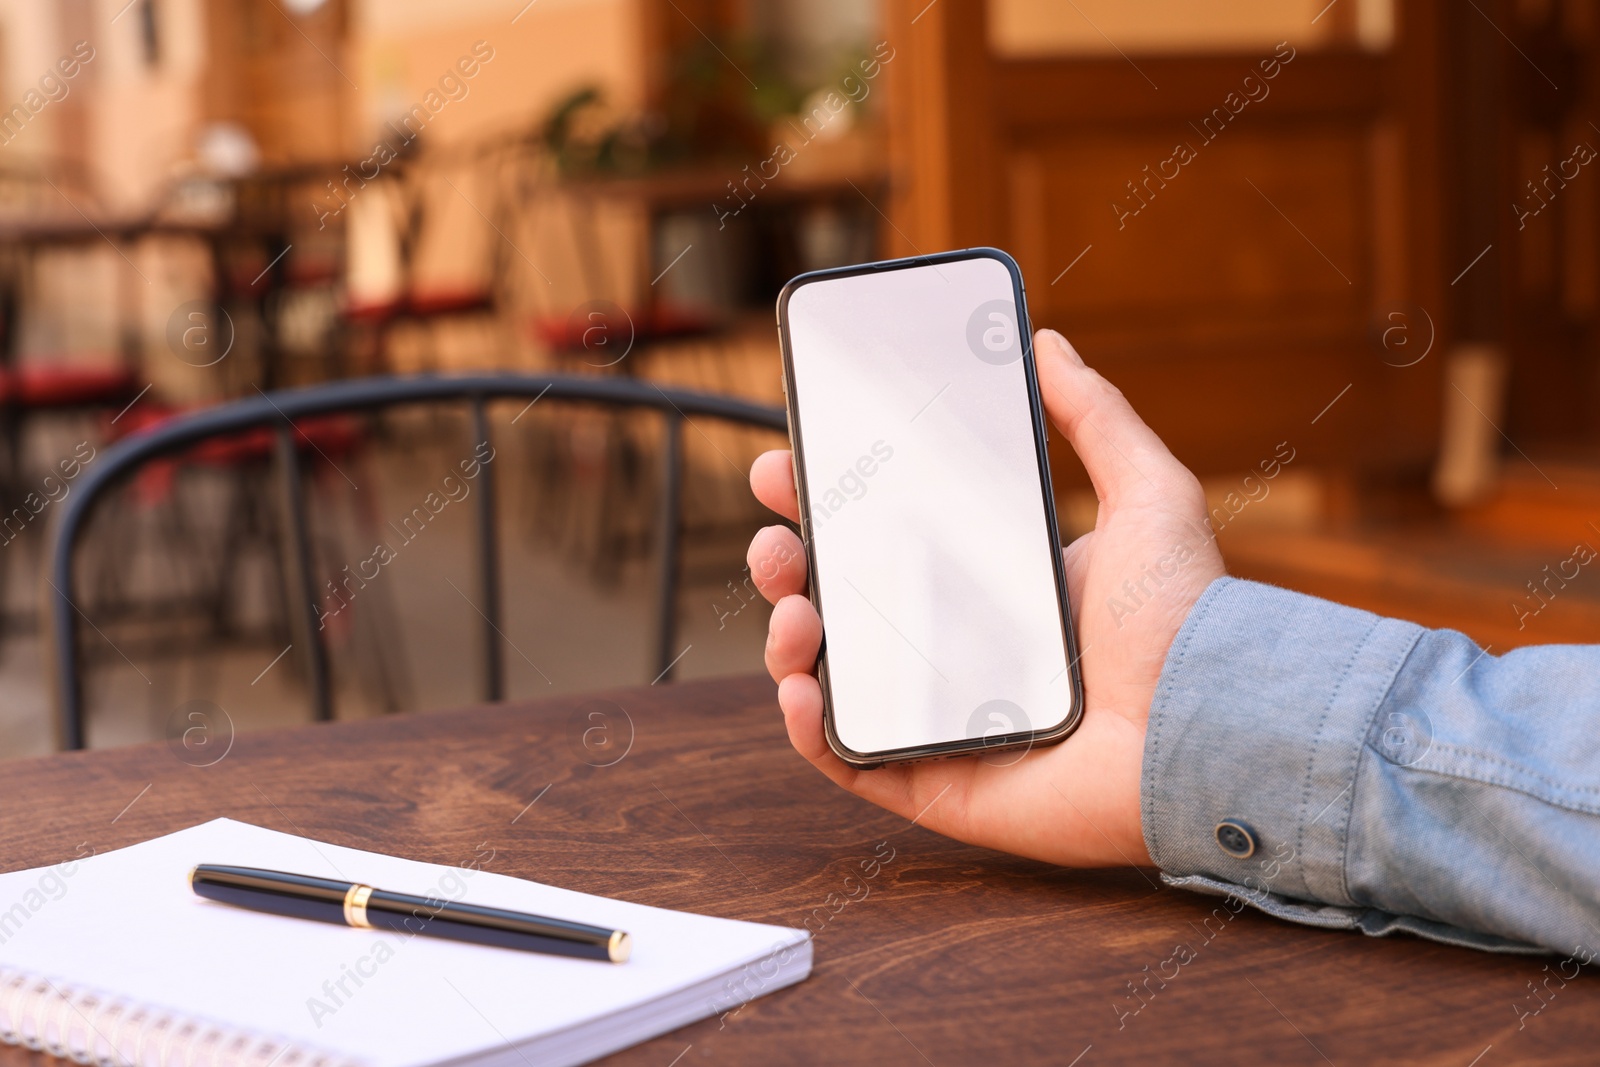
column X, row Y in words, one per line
column 1344, row 770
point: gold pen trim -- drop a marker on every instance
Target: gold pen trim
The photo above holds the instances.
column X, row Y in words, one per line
column 619, row 947
column 355, row 905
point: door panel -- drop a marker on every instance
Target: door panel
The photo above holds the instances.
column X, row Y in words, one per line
column 1227, row 247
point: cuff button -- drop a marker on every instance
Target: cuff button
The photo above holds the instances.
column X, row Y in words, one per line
column 1236, row 839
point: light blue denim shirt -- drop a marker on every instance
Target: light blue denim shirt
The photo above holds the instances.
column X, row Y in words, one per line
column 1383, row 776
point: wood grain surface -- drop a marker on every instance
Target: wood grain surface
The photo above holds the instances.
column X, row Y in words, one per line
column 689, row 797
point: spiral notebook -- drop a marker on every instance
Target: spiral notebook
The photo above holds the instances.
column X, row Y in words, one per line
column 112, row 959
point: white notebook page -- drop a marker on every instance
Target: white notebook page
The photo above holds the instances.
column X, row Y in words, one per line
column 127, row 923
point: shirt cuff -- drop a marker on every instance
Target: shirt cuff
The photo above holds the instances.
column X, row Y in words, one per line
column 1259, row 720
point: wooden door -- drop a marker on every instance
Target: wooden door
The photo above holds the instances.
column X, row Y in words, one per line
column 1246, row 243
column 1538, row 180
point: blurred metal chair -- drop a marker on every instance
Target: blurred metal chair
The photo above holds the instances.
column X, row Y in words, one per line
column 278, row 414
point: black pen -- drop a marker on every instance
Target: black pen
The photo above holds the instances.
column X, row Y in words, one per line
column 354, row 904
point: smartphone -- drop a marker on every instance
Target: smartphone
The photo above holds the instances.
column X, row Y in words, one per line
column 926, row 509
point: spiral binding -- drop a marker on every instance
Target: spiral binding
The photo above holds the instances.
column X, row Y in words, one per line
column 88, row 1027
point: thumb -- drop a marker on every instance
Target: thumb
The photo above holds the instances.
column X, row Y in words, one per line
column 1123, row 456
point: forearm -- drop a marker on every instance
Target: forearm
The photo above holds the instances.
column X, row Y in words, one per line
column 1389, row 777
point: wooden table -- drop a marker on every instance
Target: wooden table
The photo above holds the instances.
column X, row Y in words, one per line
column 950, row 955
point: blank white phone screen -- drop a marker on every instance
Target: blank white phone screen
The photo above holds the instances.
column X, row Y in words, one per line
column 933, row 554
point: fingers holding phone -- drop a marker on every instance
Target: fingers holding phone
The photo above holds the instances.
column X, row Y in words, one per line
column 873, row 494
column 777, row 559
column 772, row 479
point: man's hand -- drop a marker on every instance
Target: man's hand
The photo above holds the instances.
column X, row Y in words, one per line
column 1132, row 581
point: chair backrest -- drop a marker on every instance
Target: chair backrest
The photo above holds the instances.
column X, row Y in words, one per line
column 279, row 411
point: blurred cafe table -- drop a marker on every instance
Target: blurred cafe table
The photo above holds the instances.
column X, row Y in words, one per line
column 688, row 796
column 844, row 181
column 246, row 225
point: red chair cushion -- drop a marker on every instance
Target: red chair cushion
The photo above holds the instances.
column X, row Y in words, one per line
column 49, row 385
column 661, row 323
column 425, row 304
column 330, row 435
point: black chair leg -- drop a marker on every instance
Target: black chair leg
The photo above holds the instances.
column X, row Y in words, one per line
column 667, row 558
column 302, row 585
column 494, row 677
